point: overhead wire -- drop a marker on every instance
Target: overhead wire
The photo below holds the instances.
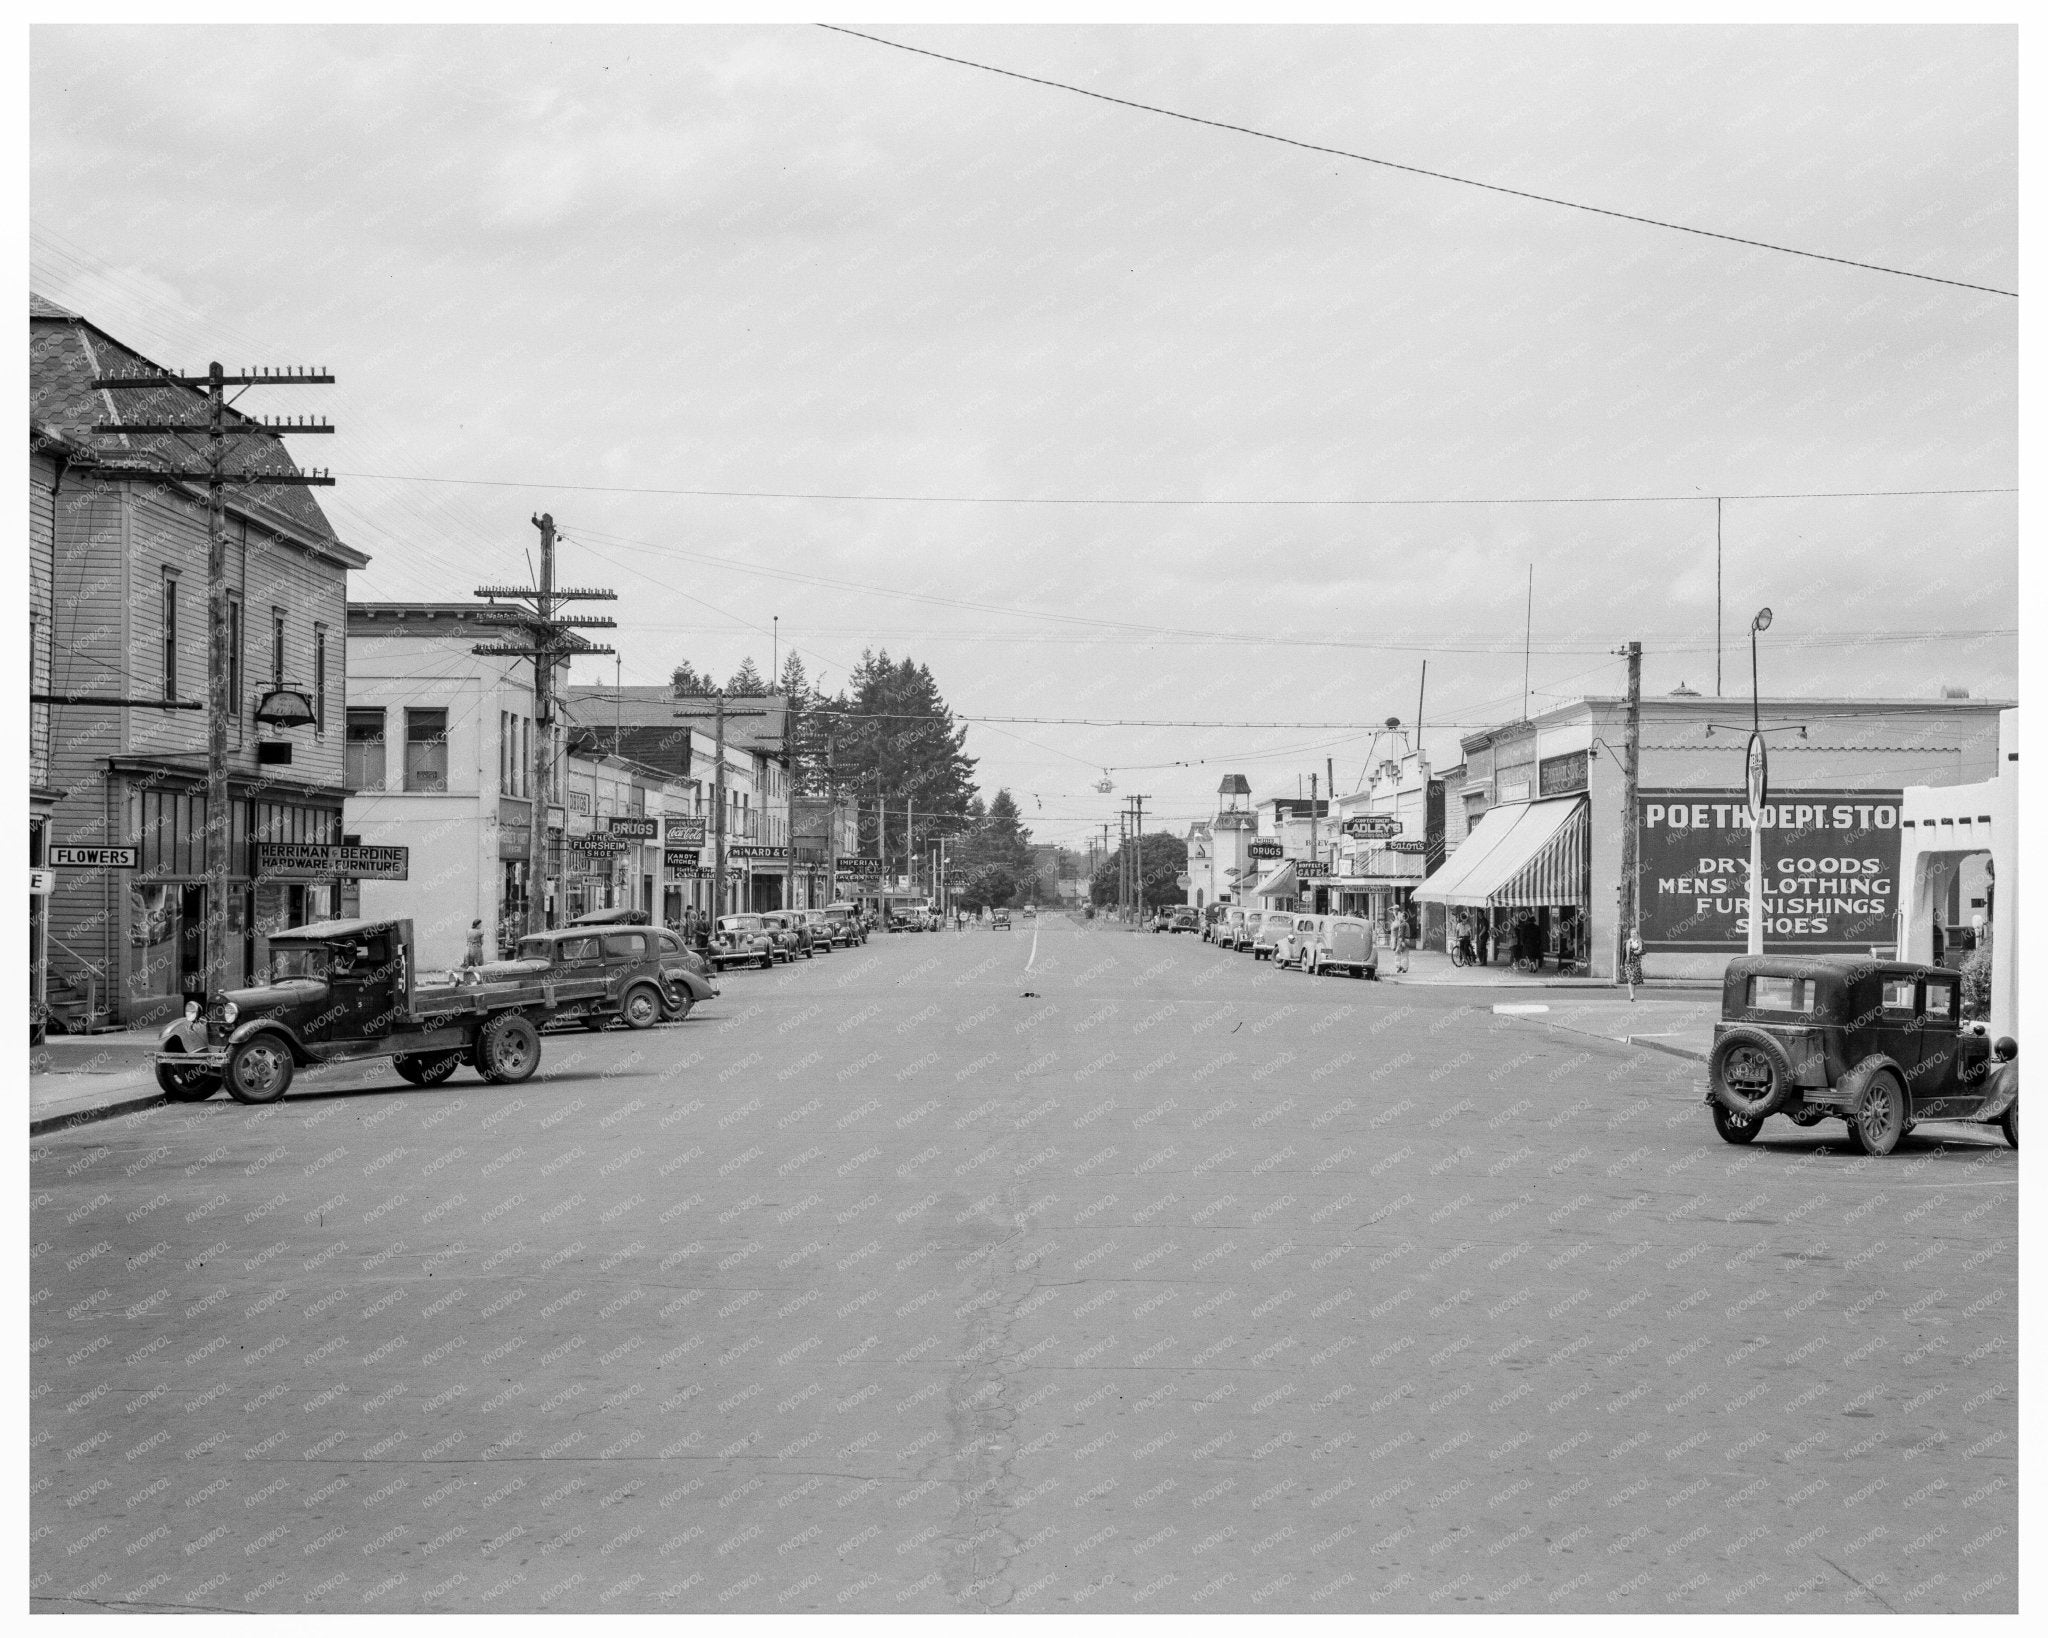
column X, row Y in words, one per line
column 1416, row 170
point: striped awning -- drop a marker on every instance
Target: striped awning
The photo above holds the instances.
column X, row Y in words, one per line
column 1521, row 854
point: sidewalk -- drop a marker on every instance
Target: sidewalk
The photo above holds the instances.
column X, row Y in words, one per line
column 1682, row 1025
column 1434, row 967
column 73, row 1079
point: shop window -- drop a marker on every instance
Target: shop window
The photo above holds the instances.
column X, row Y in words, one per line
column 365, row 752
column 426, row 750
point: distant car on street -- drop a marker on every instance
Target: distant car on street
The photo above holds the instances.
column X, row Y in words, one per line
column 742, row 941
column 792, row 934
column 1291, row 946
column 999, row 918
column 1882, row 1045
column 1184, row 920
column 1273, row 926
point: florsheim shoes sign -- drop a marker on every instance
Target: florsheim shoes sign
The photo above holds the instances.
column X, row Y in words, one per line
column 1831, row 867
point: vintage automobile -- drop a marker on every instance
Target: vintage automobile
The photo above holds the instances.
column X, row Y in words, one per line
column 742, row 941
column 1184, row 919
column 1272, row 926
column 999, row 917
column 342, row 991
column 627, row 956
column 1231, row 932
column 1291, row 946
column 792, row 934
column 847, row 926
column 1212, row 923
column 1343, row 944
column 1880, row 1044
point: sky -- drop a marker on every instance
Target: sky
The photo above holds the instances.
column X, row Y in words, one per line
column 1078, row 404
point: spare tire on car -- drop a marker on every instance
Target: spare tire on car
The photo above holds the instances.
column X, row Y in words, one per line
column 1749, row 1072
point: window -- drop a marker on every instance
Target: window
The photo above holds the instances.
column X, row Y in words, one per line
column 364, row 757
column 235, row 705
column 1898, row 995
column 1781, row 994
column 277, row 648
column 426, row 750
column 170, row 635
column 504, row 755
column 1941, row 1002
column 626, row 946
column 319, row 679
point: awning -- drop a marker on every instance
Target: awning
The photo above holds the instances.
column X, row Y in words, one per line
column 1279, row 885
column 1521, row 854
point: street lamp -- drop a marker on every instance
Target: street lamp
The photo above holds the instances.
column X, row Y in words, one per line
column 1757, row 779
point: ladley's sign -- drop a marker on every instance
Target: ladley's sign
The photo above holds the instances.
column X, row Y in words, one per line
column 1831, row 868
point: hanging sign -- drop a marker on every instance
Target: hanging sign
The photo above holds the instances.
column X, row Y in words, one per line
column 1374, row 825
column 1263, row 850
column 41, row 882
column 598, row 844
column 633, row 827
column 1310, row 869
column 679, row 832
column 680, row 858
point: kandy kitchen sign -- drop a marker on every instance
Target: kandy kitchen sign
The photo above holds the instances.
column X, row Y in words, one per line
column 1831, row 865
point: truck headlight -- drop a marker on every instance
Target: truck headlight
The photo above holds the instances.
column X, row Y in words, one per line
column 191, row 1010
column 229, row 1013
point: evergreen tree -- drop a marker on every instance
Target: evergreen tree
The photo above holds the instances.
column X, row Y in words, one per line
column 687, row 680
column 1161, row 859
column 746, row 682
column 897, row 741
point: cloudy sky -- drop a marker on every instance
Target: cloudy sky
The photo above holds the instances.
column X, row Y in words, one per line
column 1113, row 371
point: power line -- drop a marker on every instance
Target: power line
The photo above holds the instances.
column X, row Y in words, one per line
column 1419, row 170
column 1167, row 500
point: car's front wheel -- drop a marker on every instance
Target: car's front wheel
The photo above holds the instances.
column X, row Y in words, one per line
column 260, row 1070
column 2009, row 1124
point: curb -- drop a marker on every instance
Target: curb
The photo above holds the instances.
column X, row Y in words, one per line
column 98, row 1112
column 1620, row 1042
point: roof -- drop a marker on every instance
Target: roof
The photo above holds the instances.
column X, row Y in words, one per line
column 67, row 353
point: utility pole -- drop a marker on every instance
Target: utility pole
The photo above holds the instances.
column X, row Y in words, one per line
column 1717, row 597
column 1628, row 962
column 549, row 642
column 832, row 815
column 1138, row 859
column 214, row 474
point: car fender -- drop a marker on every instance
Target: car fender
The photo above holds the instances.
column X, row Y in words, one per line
column 271, row 1026
column 1848, row 1091
column 183, row 1035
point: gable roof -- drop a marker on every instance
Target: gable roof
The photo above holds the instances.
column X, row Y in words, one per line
column 66, row 354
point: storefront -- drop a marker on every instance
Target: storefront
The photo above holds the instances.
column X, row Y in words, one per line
column 1521, row 880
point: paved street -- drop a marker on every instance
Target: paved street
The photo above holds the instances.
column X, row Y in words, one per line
column 1058, row 1270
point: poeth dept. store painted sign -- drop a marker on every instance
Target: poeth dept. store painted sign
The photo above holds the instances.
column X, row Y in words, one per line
column 1831, row 866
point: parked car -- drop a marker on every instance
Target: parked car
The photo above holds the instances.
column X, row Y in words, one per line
column 1161, row 920
column 627, row 956
column 1185, row 919
column 1273, row 926
column 1881, row 1045
column 1291, row 946
column 848, row 926
column 1343, row 944
column 1230, row 932
column 999, row 918
column 1212, row 922
column 791, row 933
column 741, row 941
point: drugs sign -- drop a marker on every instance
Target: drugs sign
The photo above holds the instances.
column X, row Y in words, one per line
column 632, row 827
column 1263, row 850
column 1831, row 866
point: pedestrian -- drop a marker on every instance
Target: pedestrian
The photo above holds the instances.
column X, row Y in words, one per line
column 474, row 955
column 1482, row 936
column 1401, row 945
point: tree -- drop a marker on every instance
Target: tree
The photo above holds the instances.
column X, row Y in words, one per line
column 746, row 682
column 1162, row 858
column 897, row 742
column 985, row 887
column 687, row 680
column 997, row 837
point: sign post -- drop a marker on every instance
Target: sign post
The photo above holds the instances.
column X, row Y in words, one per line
column 1757, row 769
